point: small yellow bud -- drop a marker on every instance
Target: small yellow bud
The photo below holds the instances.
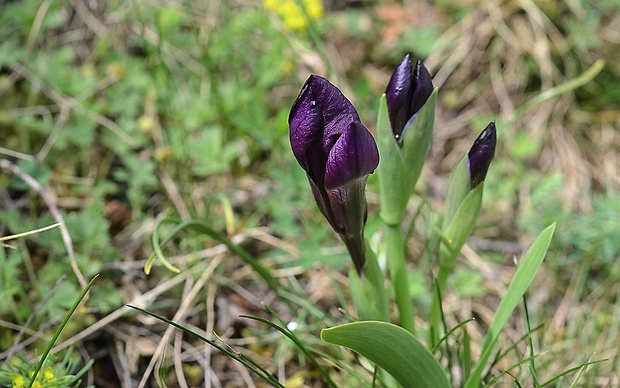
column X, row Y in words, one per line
column 146, row 124
column 18, row 381
column 314, row 9
column 295, row 22
column 162, row 154
column 271, row 5
column 287, row 67
column 48, row 375
column 116, row 69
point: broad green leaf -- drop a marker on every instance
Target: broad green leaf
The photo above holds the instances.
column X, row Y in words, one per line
column 400, row 167
column 417, row 140
column 392, row 348
column 458, row 187
column 391, row 171
column 520, row 282
column 461, row 226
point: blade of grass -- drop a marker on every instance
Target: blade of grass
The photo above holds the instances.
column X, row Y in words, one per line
column 290, row 335
column 244, row 360
column 455, row 328
column 28, row 233
column 506, row 372
column 555, row 91
column 532, row 365
column 64, row 322
column 501, row 354
column 466, row 359
column 157, row 252
column 583, row 370
column 203, row 227
column 523, row 277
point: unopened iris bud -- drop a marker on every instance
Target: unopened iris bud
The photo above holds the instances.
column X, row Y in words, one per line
column 338, row 153
column 404, row 132
column 481, row 154
column 464, row 196
column 406, row 93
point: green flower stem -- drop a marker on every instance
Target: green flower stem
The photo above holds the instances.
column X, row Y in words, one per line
column 398, row 274
column 368, row 292
column 376, row 278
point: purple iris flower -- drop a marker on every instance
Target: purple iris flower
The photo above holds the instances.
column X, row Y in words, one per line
column 480, row 155
column 338, row 153
column 406, row 93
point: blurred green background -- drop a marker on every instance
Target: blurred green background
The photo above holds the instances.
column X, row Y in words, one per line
column 126, row 112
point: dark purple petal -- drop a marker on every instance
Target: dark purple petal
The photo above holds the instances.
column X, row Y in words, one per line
column 406, row 93
column 422, row 87
column 319, row 115
column 398, row 96
column 338, row 112
column 353, row 156
column 306, row 125
column 480, row 155
column 337, row 152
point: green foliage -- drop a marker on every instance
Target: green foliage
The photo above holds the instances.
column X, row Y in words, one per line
column 40, row 173
column 590, row 237
column 419, row 40
column 11, row 288
column 200, row 93
column 210, row 154
column 594, row 235
column 140, row 178
column 392, row 348
column 54, row 373
column 521, row 280
column 400, row 166
column 467, row 282
column 46, row 372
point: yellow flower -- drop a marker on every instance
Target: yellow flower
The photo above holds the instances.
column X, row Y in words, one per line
column 314, row 8
column 48, row 375
column 271, row 5
column 37, row 385
column 293, row 16
column 289, row 8
column 18, row 381
column 295, row 22
column 146, row 124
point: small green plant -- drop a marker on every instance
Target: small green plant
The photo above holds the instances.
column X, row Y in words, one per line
column 19, row 372
column 47, row 373
column 338, row 153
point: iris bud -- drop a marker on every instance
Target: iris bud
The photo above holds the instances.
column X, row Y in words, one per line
column 338, row 153
column 481, row 154
column 406, row 93
column 404, row 132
